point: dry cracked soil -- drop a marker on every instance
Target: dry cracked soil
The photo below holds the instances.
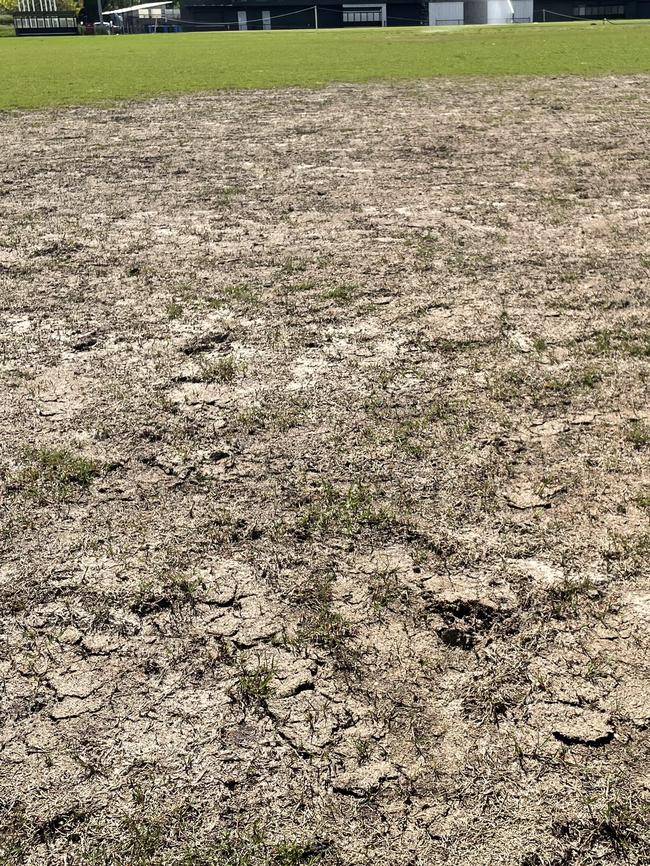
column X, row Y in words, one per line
column 325, row 484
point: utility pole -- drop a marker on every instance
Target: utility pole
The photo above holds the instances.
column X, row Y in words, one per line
column 316, row 17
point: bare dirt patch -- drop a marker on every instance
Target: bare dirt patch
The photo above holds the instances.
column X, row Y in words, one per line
column 325, row 489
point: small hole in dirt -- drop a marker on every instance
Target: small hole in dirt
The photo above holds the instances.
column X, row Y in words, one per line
column 456, row 638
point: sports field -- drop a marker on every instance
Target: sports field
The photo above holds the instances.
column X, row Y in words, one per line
column 325, row 449
column 324, row 489
column 39, row 72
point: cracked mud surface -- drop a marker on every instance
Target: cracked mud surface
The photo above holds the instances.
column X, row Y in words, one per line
column 325, row 478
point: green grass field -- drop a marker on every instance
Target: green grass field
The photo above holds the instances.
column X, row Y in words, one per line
column 42, row 71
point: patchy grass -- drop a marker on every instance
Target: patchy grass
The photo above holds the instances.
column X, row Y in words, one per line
column 617, row 824
column 590, row 377
column 342, row 294
column 384, row 588
column 345, row 510
column 53, row 474
column 566, row 599
column 297, row 854
column 607, row 342
column 219, row 371
column 240, row 292
column 349, row 601
column 174, row 310
column 172, row 591
column 642, row 499
column 323, row 626
column 277, row 418
column 638, row 435
column 414, row 433
column 254, row 682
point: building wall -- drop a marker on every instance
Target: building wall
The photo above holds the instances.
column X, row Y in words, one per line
column 197, row 16
column 562, row 10
column 523, row 10
column 405, row 14
column 475, row 11
column 209, row 15
column 200, row 17
column 446, row 14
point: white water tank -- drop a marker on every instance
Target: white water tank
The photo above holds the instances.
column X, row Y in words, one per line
column 488, row 12
column 500, row 12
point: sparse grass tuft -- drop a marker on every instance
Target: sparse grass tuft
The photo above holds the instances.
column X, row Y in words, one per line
column 173, row 590
column 343, row 294
column 363, row 748
column 145, row 837
column 327, row 628
column 249, row 421
column 605, row 342
column 347, row 510
column 254, row 683
column 240, row 292
column 279, row 417
column 218, row 372
column 627, row 555
column 619, row 828
column 642, row 499
column 544, row 390
column 493, row 692
column 625, row 821
column 406, row 437
column 53, row 474
column 323, row 626
column 293, row 266
column 296, row 854
column 174, row 310
column 226, row 194
column 638, row 434
column 566, row 598
column 163, row 840
column 590, row 377
column 287, row 290
column 384, row 589
column 426, row 247
column 410, row 434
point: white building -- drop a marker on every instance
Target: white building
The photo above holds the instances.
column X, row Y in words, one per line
column 450, row 12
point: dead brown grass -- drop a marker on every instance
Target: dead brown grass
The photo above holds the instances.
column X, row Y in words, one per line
column 325, row 530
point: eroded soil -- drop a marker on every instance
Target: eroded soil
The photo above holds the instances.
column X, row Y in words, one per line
column 325, row 477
